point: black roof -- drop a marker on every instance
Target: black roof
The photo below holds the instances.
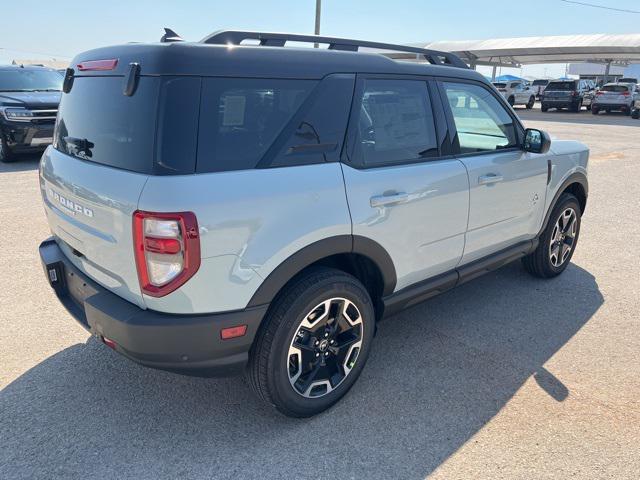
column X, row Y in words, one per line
column 195, row 58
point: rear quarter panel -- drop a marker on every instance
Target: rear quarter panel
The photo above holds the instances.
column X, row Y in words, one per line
column 250, row 221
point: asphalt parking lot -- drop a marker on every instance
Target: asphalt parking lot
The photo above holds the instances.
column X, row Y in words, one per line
column 505, row 377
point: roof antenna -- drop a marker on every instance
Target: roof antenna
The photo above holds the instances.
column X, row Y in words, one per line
column 170, row 36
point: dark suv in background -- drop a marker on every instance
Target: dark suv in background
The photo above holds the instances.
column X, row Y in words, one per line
column 570, row 94
column 29, row 98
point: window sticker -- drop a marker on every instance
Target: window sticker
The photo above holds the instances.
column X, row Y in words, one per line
column 234, row 106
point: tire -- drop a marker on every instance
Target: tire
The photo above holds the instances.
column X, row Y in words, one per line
column 544, row 108
column 283, row 375
column 588, row 107
column 626, row 111
column 595, row 110
column 635, row 114
column 577, row 108
column 511, row 101
column 6, row 155
column 532, row 102
column 554, row 242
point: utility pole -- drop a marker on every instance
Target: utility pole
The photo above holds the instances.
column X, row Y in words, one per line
column 317, row 28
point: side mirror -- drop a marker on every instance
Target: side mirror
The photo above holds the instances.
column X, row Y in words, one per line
column 536, row 141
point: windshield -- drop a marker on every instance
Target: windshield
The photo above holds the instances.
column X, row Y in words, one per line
column 540, row 82
column 615, row 88
column 561, row 86
column 22, row 80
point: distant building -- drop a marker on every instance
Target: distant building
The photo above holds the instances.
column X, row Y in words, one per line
column 595, row 71
column 51, row 63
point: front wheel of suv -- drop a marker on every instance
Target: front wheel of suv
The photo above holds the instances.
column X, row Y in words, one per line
column 313, row 343
column 577, row 108
column 531, row 103
column 6, row 155
column 558, row 241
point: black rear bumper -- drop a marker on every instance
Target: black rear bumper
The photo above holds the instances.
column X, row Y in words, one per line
column 189, row 344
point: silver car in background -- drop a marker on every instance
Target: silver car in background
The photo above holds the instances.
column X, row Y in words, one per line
column 615, row 96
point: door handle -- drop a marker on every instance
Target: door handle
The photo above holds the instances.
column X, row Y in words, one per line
column 383, row 200
column 489, row 179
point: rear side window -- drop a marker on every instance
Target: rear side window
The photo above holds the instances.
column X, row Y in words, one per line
column 96, row 122
column 394, row 123
column 240, row 118
column 561, row 86
column 482, row 123
column 615, row 88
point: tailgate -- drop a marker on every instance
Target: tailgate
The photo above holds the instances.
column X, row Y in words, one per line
column 615, row 98
column 89, row 208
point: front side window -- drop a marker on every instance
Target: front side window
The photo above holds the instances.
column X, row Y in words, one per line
column 394, row 123
column 483, row 124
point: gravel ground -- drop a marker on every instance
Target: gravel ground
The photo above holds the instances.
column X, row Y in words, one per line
column 505, row 377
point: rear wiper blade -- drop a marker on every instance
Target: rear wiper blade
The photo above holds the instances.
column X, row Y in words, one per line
column 80, row 144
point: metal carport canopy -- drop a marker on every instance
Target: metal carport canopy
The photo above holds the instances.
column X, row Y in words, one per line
column 514, row 52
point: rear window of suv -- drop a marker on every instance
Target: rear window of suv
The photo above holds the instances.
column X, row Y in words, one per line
column 615, row 88
column 96, row 122
column 561, row 86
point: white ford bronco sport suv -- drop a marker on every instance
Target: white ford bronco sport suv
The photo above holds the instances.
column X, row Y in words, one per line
column 218, row 207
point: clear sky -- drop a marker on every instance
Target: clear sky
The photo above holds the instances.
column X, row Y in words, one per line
column 66, row 27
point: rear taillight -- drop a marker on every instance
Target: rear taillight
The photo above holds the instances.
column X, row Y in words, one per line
column 625, row 94
column 167, row 250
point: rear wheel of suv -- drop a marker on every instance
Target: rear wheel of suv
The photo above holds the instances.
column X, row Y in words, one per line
column 595, row 110
column 544, row 108
column 558, row 241
column 532, row 102
column 511, row 100
column 6, row 155
column 313, row 343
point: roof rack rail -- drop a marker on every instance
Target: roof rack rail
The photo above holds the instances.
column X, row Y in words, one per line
column 235, row 37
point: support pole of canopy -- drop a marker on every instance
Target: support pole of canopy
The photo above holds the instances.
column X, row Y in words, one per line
column 316, row 30
column 607, row 69
column 493, row 73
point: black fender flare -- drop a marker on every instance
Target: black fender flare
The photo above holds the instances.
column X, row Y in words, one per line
column 576, row 177
column 327, row 247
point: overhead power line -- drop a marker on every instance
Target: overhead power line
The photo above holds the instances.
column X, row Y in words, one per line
column 585, row 4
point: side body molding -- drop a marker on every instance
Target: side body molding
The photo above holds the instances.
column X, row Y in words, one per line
column 319, row 250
